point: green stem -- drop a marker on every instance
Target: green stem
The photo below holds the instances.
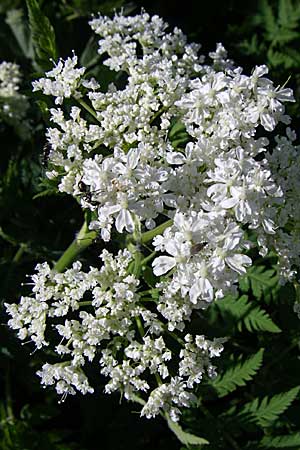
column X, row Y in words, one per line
column 176, row 338
column 135, row 266
column 297, row 291
column 149, row 235
column 7, row 238
column 19, row 253
column 140, row 326
column 87, row 303
column 148, row 258
column 149, row 291
column 84, row 239
column 88, row 108
column 9, row 408
column 158, row 379
column 157, row 114
column 150, row 299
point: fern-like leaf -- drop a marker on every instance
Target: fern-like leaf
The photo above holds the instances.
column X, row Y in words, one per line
column 269, row 20
column 185, row 438
column 238, row 374
column 245, row 314
column 264, row 412
column 15, row 21
column 259, row 320
column 43, row 36
column 288, row 14
column 263, row 282
column 284, row 442
column 46, row 193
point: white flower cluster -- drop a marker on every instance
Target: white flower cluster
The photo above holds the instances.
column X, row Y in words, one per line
column 13, row 105
column 105, row 306
column 180, row 150
column 10, row 79
column 220, row 182
column 62, row 81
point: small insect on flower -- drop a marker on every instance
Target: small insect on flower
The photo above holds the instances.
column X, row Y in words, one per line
column 84, row 189
column 86, row 193
column 46, row 154
column 198, row 247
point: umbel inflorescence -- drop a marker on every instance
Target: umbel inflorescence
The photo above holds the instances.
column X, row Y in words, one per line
column 13, row 104
column 169, row 165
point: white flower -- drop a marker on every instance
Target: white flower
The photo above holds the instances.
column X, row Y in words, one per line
column 13, row 104
column 176, row 148
column 62, row 81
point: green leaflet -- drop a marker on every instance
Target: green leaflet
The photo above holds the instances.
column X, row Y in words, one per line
column 238, row 374
column 275, row 30
column 74, row 9
column 184, row 437
column 269, row 18
column 15, row 21
column 283, row 28
column 259, row 320
column 263, row 282
column 46, row 193
column 245, row 314
column 177, row 134
column 89, row 56
column 283, row 442
column 43, row 36
column 265, row 411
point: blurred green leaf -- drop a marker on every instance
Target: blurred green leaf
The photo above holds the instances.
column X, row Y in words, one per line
column 43, row 36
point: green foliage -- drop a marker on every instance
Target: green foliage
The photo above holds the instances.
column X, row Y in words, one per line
column 246, row 314
column 7, row 5
column 178, row 135
column 238, row 374
column 20, row 30
column 265, row 411
column 283, row 28
column 259, row 320
column 18, row 434
column 280, row 30
column 290, row 441
column 43, row 36
column 89, row 56
column 83, row 8
column 262, row 281
column 184, row 437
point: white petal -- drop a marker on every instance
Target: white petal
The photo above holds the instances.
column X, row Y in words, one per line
column 237, row 262
column 201, row 288
column 229, row 202
column 119, row 168
column 217, row 191
column 267, row 121
column 175, row 158
column 173, row 248
column 163, row 264
column 108, row 210
column 285, row 95
column 133, row 157
column 269, row 226
column 124, row 219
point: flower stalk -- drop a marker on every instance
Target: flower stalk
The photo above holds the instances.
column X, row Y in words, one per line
column 149, row 235
column 84, row 239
